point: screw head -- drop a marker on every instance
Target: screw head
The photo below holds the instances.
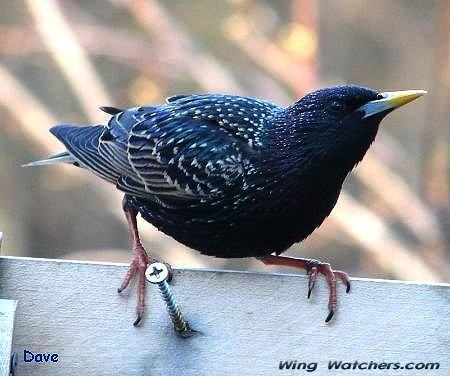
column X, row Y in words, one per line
column 156, row 272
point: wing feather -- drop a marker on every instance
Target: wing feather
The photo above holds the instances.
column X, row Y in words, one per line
column 192, row 148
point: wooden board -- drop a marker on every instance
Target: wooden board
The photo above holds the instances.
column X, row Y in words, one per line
column 249, row 322
column 7, row 312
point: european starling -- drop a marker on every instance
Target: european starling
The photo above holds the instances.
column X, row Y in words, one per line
column 232, row 176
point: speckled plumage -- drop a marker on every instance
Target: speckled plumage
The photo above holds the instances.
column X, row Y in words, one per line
column 229, row 176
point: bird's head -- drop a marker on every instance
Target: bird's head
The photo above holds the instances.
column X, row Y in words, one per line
column 338, row 124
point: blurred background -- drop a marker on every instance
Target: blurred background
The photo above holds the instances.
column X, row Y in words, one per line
column 60, row 60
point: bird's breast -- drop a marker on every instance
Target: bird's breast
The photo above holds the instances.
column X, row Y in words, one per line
column 248, row 223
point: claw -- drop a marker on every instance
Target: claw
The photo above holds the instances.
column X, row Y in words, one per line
column 344, row 278
column 138, row 320
column 330, row 316
column 312, row 280
column 313, row 268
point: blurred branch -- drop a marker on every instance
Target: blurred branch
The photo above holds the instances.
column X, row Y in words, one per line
column 435, row 169
column 267, row 54
column 436, row 137
column 69, row 55
column 172, row 40
column 28, row 111
column 98, row 40
column 305, row 14
column 18, row 40
column 370, row 231
column 401, row 199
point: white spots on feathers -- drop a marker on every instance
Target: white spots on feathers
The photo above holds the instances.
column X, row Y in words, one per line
column 195, row 163
column 193, row 147
column 249, row 115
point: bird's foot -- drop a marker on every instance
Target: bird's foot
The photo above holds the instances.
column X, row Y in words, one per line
column 313, row 268
column 138, row 267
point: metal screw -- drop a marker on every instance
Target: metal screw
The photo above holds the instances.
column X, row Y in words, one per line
column 157, row 273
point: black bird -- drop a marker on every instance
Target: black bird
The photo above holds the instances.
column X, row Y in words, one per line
column 232, row 176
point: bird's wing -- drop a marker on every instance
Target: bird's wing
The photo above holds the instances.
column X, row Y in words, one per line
column 243, row 117
column 195, row 146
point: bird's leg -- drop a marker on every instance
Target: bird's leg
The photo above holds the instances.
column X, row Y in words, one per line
column 140, row 261
column 313, row 268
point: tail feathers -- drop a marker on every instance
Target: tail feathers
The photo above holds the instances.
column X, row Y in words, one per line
column 82, row 142
column 63, row 157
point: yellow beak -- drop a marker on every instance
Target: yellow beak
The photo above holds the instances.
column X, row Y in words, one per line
column 389, row 101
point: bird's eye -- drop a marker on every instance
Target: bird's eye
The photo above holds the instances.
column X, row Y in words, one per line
column 336, row 106
column 379, row 96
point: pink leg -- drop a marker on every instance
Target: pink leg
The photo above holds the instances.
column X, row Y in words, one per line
column 138, row 265
column 313, row 268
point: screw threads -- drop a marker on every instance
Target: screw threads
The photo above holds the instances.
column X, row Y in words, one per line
column 178, row 321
